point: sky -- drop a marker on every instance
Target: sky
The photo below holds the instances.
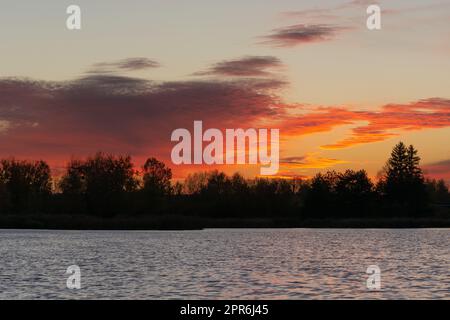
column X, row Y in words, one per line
column 341, row 95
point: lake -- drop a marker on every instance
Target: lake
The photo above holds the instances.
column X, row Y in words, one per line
column 226, row 264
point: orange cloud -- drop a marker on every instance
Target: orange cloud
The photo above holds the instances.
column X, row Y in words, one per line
column 360, row 138
column 395, row 118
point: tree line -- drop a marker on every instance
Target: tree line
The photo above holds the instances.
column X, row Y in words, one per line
column 106, row 185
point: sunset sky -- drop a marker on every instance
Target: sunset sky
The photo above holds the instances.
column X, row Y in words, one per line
column 340, row 94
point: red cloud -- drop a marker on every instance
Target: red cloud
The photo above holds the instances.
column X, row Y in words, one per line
column 54, row 120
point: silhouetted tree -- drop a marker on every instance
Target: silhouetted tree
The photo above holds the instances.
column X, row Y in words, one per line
column 263, row 188
column 25, row 185
column 339, row 195
column 104, row 181
column 217, row 185
column 177, row 188
column 74, row 180
column 354, row 194
column 5, row 204
column 321, row 196
column 195, row 183
column 157, row 178
column 272, row 198
column 438, row 191
column 402, row 183
column 239, row 186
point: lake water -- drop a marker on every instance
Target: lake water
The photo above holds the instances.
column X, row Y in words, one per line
column 226, row 264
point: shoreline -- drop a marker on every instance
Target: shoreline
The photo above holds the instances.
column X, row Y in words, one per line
column 179, row 223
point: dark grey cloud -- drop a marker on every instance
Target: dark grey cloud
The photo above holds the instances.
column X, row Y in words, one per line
column 129, row 64
column 300, row 34
column 250, row 66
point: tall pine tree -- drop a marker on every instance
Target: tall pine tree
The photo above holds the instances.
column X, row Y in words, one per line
column 403, row 183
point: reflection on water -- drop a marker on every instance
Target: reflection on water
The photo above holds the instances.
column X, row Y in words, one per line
column 228, row 264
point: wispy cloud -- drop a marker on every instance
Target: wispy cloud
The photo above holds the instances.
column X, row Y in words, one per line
column 288, row 175
column 440, row 169
column 301, row 34
column 129, row 64
column 395, row 118
column 309, row 161
column 250, row 66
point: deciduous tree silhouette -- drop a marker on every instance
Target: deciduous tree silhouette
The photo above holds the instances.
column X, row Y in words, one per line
column 104, row 181
column 195, row 183
column 157, row 178
column 25, row 185
column 347, row 194
column 355, row 194
column 321, row 197
column 438, row 191
column 217, row 185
